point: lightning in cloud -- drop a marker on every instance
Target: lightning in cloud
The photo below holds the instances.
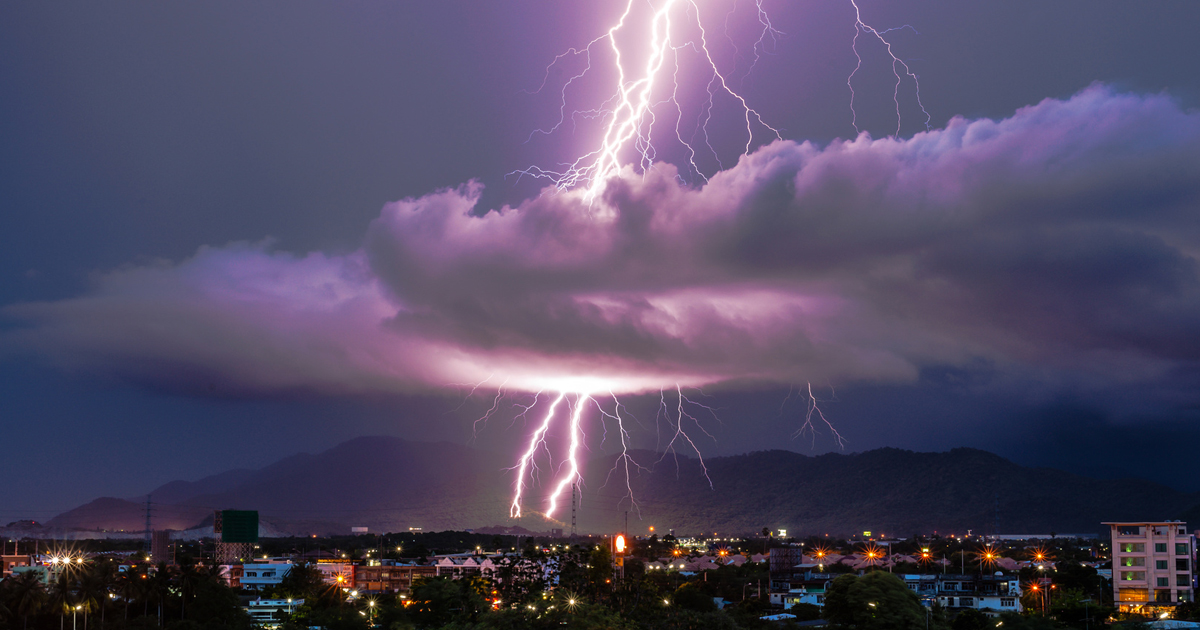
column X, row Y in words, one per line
column 650, row 47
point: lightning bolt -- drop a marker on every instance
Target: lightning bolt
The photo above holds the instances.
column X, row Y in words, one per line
column 814, row 409
column 861, row 27
column 643, row 83
column 624, row 459
column 629, row 113
column 681, row 434
column 572, row 460
column 527, row 465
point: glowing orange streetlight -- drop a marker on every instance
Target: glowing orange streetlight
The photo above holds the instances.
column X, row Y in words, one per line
column 988, row 556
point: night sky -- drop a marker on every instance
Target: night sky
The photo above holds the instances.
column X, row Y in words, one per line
column 234, row 231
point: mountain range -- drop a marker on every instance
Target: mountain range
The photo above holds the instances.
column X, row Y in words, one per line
column 392, row 484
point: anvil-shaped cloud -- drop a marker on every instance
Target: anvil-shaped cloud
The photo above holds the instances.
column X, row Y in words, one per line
column 1062, row 238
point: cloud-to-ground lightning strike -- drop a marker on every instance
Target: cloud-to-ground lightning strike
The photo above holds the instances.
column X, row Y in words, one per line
column 647, row 81
column 527, row 463
column 675, row 415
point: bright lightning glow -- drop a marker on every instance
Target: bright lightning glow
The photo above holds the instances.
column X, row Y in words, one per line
column 572, row 456
column 569, row 471
column 527, row 463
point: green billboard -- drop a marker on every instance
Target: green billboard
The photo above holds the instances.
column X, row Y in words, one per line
column 239, row 526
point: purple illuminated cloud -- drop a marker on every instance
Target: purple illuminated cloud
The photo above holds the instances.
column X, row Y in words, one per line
column 1063, row 238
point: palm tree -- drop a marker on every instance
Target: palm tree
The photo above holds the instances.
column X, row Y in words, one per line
column 25, row 595
column 104, row 576
column 61, row 598
column 128, row 587
column 93, row 590
column 158, row 587
column 188, row 578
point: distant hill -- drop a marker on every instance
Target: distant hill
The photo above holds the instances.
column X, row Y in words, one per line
column 391, row 484
column 897, row 492
column 114, row 515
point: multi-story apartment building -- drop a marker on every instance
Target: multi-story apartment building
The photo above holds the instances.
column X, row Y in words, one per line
column 1153, row 565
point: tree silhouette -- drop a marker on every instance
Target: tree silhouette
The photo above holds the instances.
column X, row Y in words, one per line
column 61, row 597
column 25, row 595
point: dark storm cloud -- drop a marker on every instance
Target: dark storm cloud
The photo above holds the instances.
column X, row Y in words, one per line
column 1060, row 239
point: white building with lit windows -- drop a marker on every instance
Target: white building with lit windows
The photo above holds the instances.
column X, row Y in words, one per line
column 269, row 572
column 1153, row 565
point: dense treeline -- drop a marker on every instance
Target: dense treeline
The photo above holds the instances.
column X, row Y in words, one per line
column 97, row 596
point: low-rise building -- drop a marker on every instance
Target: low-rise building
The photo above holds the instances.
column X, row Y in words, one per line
column 459, row 565
column 9, row 562
column 231, row 575
column 390, row 577
column 988, row 593
column 42, row 571
column 270, row 612
column 337, row 572
column 269, row 572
